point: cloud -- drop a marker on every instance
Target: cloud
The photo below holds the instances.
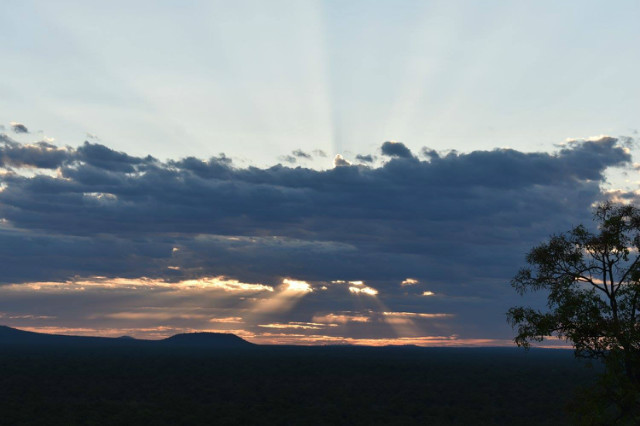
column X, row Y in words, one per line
column 295, row 156
column 227, row 320
column 288, row 159
column 345, row 205
column 341, row 318
column 301, row 154
column 101, row 157
column 339, row 161
column 45, row 155
column 365, row 158
column 19, row 127
column 416, row 315
column 430, row 153
column 320, row 153
column 40, row 155
column 297, row 325
column 363, row 290
column 395, row 149
column 205, row 283
column 460, row 222
column 216, row 167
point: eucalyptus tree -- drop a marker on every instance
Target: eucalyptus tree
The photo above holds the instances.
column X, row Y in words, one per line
column 592, row 282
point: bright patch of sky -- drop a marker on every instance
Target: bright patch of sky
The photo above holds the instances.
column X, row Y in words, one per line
column 258, row 80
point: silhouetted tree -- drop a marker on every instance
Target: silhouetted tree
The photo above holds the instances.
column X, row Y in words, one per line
column 593, row 284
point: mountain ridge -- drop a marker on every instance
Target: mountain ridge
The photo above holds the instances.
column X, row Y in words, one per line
column 15, row 336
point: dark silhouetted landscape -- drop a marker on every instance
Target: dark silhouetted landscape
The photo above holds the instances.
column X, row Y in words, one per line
column 320, row 212
column 208, row 378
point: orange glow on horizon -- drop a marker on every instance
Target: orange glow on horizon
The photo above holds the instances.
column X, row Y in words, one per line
column 268, row 338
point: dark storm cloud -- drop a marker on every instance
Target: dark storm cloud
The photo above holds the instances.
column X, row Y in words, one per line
column 40, row 155
column 214, row 197
column 459, row 223
column 365, row 158
column 301, row 154
column 288, row 159
column 395, row 149
column 216, row 167
column 105, row 158
column 295, row 155
column 44, row 155
column 429, row 153
column 19, row 128
column 38, row 256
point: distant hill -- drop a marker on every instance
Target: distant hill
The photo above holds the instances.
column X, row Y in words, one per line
column 13, row 336
column 220, row 340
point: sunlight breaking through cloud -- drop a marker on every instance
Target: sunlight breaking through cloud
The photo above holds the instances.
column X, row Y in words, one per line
column 298, row 325
column 297, row 286
column 234, row 244
column 357, row 287
column 363, row 290
column 227, row 320
column 285, row 297
column 410, row 281
column 341, row 318
column 104, row 283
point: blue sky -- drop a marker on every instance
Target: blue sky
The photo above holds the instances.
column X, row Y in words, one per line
column 258, row 79
column 172, row 166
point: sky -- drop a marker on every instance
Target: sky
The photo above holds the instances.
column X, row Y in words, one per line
column 302, row 172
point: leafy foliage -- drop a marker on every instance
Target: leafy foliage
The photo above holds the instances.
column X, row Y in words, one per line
column 593, row 284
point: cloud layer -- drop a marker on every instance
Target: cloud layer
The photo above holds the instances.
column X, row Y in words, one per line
column 458, row 224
